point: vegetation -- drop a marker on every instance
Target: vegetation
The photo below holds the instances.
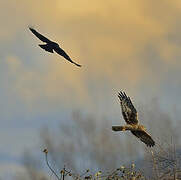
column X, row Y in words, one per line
column 165, row 164
column 123, row 173
column 86, row 148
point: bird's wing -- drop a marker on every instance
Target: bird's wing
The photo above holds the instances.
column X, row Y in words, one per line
column 129, row 112
column 61, row 52
column 144, row 137
column 39, row 36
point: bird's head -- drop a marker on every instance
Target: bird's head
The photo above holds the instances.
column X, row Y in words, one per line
column 55, row 45
column 142, row 127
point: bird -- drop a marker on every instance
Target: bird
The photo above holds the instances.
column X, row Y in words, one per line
column 130, row 116
column 51, row 46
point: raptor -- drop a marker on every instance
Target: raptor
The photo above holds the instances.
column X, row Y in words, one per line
column 130, row 115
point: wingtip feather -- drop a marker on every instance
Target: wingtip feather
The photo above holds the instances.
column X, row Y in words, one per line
column 31, row 28
column 78, row 64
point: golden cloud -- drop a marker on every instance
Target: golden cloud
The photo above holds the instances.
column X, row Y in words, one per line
column 113, row 40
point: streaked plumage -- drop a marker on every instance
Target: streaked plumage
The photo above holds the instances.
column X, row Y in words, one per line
column 50, row 46
column 130, row 115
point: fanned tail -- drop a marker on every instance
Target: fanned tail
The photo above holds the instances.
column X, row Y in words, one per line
column 118, row 128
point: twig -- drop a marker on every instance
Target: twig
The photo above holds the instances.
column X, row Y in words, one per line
column 154, row 165
column 84, row 173
column 46, row 158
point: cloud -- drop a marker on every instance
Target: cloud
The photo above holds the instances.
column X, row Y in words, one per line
column 121, row 45
column 8, row 170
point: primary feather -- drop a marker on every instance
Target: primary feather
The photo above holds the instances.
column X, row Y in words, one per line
column 128, row 110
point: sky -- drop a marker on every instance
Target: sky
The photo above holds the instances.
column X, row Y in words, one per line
column 127, row 45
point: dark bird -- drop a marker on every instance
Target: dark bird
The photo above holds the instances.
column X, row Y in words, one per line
column 130, row 115
column 50, row 46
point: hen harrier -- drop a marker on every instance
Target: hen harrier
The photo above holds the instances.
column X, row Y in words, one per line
column 130, row 115
column 50, row 46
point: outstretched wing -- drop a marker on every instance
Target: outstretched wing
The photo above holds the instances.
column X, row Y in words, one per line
column 65, row 55
column 39, row 36
column 129, row 112
column 144, row 137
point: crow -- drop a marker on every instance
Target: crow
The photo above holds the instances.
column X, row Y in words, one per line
column 50, row 46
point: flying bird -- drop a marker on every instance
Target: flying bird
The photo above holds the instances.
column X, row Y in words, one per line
column 51, row 46
column 130, row 115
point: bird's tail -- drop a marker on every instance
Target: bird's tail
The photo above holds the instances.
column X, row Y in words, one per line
column 118, row 128
column 46, row 47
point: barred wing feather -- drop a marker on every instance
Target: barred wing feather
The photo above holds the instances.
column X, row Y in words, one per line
column 128, row 110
